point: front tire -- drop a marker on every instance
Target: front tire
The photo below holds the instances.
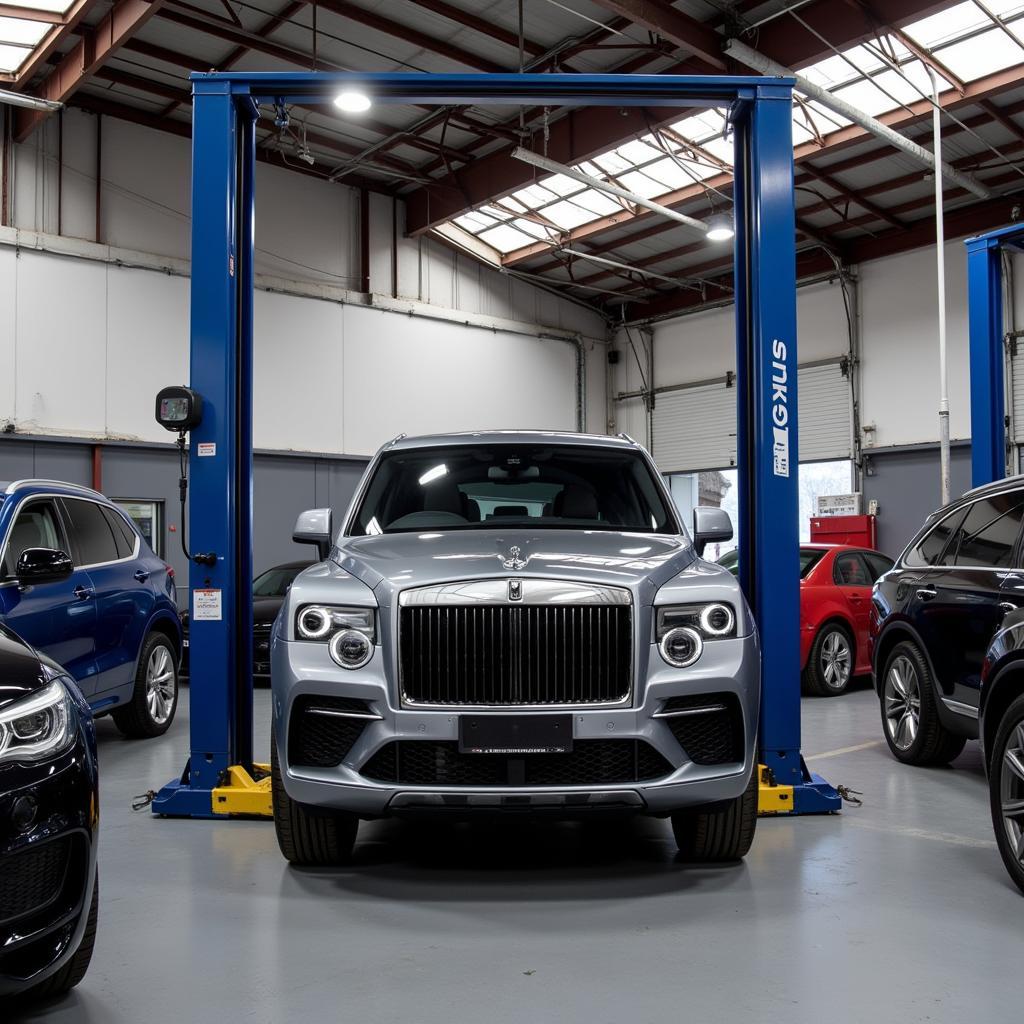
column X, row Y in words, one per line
column 74, row 970
column 307, row 839
column 910, row 716
column 155, row 697
column 722, row 833
column 1006, row 790
column 830, row 662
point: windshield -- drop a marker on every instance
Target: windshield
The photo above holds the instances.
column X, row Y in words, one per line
column 275, row 582
column 564, row 487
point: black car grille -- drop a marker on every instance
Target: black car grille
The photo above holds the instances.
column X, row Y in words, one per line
column 319, row 736
column 712, row 736
column 261, row 648
column 500, row 655
column 31, row 879
column 591, row 763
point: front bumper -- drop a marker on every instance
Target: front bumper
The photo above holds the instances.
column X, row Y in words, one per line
column 38, row 936
column 730, row 668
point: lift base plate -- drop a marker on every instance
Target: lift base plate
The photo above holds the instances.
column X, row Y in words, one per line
column 811, row 796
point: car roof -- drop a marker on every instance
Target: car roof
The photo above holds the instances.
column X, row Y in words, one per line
column 58, row 486
column 402, row 442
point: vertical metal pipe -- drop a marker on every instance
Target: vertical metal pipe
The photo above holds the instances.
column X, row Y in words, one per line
column 97, row 467
column 60, row 174
column 5, row 168
column 364, row 241
column 940, row 266
column 394, row 247
column 99, row 177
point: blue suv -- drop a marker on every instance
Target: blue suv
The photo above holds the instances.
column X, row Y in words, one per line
column 79, row 583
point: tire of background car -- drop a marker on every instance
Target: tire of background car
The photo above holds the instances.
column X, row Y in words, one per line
column 307, row 839
column 723, row 832
column 148, row 714
column 74, row 970
column 813, row 676
column 910, row 715
column 1006, row 786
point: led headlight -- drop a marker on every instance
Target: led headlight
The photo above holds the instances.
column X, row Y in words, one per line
column 350, row 648
column 717, row 620
column 37, row 726
column 349, row 632
column 681, row 646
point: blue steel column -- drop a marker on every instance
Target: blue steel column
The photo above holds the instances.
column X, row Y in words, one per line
column 220, row 500
column 768, row 428
column 985, row 316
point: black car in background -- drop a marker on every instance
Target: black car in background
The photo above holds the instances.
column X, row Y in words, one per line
column 1002, row 738
column 935, row 615
column 268, row 592
column 49, row 815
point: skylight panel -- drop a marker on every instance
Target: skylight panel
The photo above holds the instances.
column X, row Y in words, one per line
column 497, row 214
column 641, row 184
column 612, row 163
column 505, row 238
column 56, row 6
column 722, row 148
column 20, row 30
column 980, row 56
column 638, row 152
column 567, row 214
column 669, row 174
column 598, row 203
column 533, row 196
column 947, row 25
column 12, row 57
column 475, row 222
column 561, row 185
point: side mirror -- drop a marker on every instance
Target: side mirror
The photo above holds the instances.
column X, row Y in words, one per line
column 315, row 526
column 43, row 565
column 710, row 526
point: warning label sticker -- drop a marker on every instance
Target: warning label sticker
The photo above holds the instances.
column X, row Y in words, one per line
column 205, row 449
column 206, row 606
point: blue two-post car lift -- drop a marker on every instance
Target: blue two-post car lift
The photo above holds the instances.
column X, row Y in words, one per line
column 987, row 351
column 219, row 777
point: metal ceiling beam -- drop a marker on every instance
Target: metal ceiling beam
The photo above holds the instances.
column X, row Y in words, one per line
column 55, row 38
column 371, row 19
column 494, row 175
column 31, row 14
column 478, row 24
column 117, row 26
column 842, row 138
column 696, row 37
column 765, row 65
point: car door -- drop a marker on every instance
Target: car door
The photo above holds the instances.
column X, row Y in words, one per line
column 57, row 618
column 853, row 580
column 967, row 602
column 103, row 552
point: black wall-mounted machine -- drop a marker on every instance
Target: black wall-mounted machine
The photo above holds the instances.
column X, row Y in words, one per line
column 179, row 409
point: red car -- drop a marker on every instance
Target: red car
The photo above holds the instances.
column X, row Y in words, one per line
column 835, row 599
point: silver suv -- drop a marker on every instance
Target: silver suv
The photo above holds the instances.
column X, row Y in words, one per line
column 513, row 622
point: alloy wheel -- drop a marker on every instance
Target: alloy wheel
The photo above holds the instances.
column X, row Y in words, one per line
column 1011, row 790
column 902, row 702
column 160, row 685
column 836, row 660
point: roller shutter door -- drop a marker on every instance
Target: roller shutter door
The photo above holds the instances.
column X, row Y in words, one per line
column 695, row 427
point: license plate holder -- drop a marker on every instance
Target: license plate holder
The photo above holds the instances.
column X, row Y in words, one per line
column 515, row 734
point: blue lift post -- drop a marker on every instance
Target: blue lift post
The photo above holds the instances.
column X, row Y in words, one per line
column 985, row 321
column 225, row 107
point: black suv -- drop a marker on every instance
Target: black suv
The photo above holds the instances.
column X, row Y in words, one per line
column 935, row 614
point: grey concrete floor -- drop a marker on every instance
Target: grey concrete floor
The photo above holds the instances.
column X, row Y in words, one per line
column 895, row 911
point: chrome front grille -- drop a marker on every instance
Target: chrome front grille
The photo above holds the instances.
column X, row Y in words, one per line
column 551, row 644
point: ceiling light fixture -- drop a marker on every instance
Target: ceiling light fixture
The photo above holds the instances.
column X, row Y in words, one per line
column 720, row 228
column 352, row 101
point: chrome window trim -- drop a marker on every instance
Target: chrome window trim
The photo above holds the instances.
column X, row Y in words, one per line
column 496, row 592
column 75, row 497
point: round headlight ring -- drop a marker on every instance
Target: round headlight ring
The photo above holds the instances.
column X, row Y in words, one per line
column 350, row 648
column 321, row 625
column 720, row 612
column 693, row 646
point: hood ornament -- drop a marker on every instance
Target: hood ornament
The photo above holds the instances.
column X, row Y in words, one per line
column 514, row 563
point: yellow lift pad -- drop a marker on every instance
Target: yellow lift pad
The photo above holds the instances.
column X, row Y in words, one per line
column 244, row 795
column 772, row 798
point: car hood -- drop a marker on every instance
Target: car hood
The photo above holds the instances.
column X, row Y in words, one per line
column 393, row 562
column 265, row 609
column 21, row 670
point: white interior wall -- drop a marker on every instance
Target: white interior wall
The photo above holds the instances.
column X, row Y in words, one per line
column 330, row 376
column 898, row 375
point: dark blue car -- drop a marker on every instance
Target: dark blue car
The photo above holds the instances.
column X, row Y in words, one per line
column 79, row 583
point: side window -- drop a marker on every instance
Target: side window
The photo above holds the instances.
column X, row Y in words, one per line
column 123, row 536
column 931, row 548
column 91, row 533
column 989, row 532
column 878, row 565
column 36, row 526
column 850, row 571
